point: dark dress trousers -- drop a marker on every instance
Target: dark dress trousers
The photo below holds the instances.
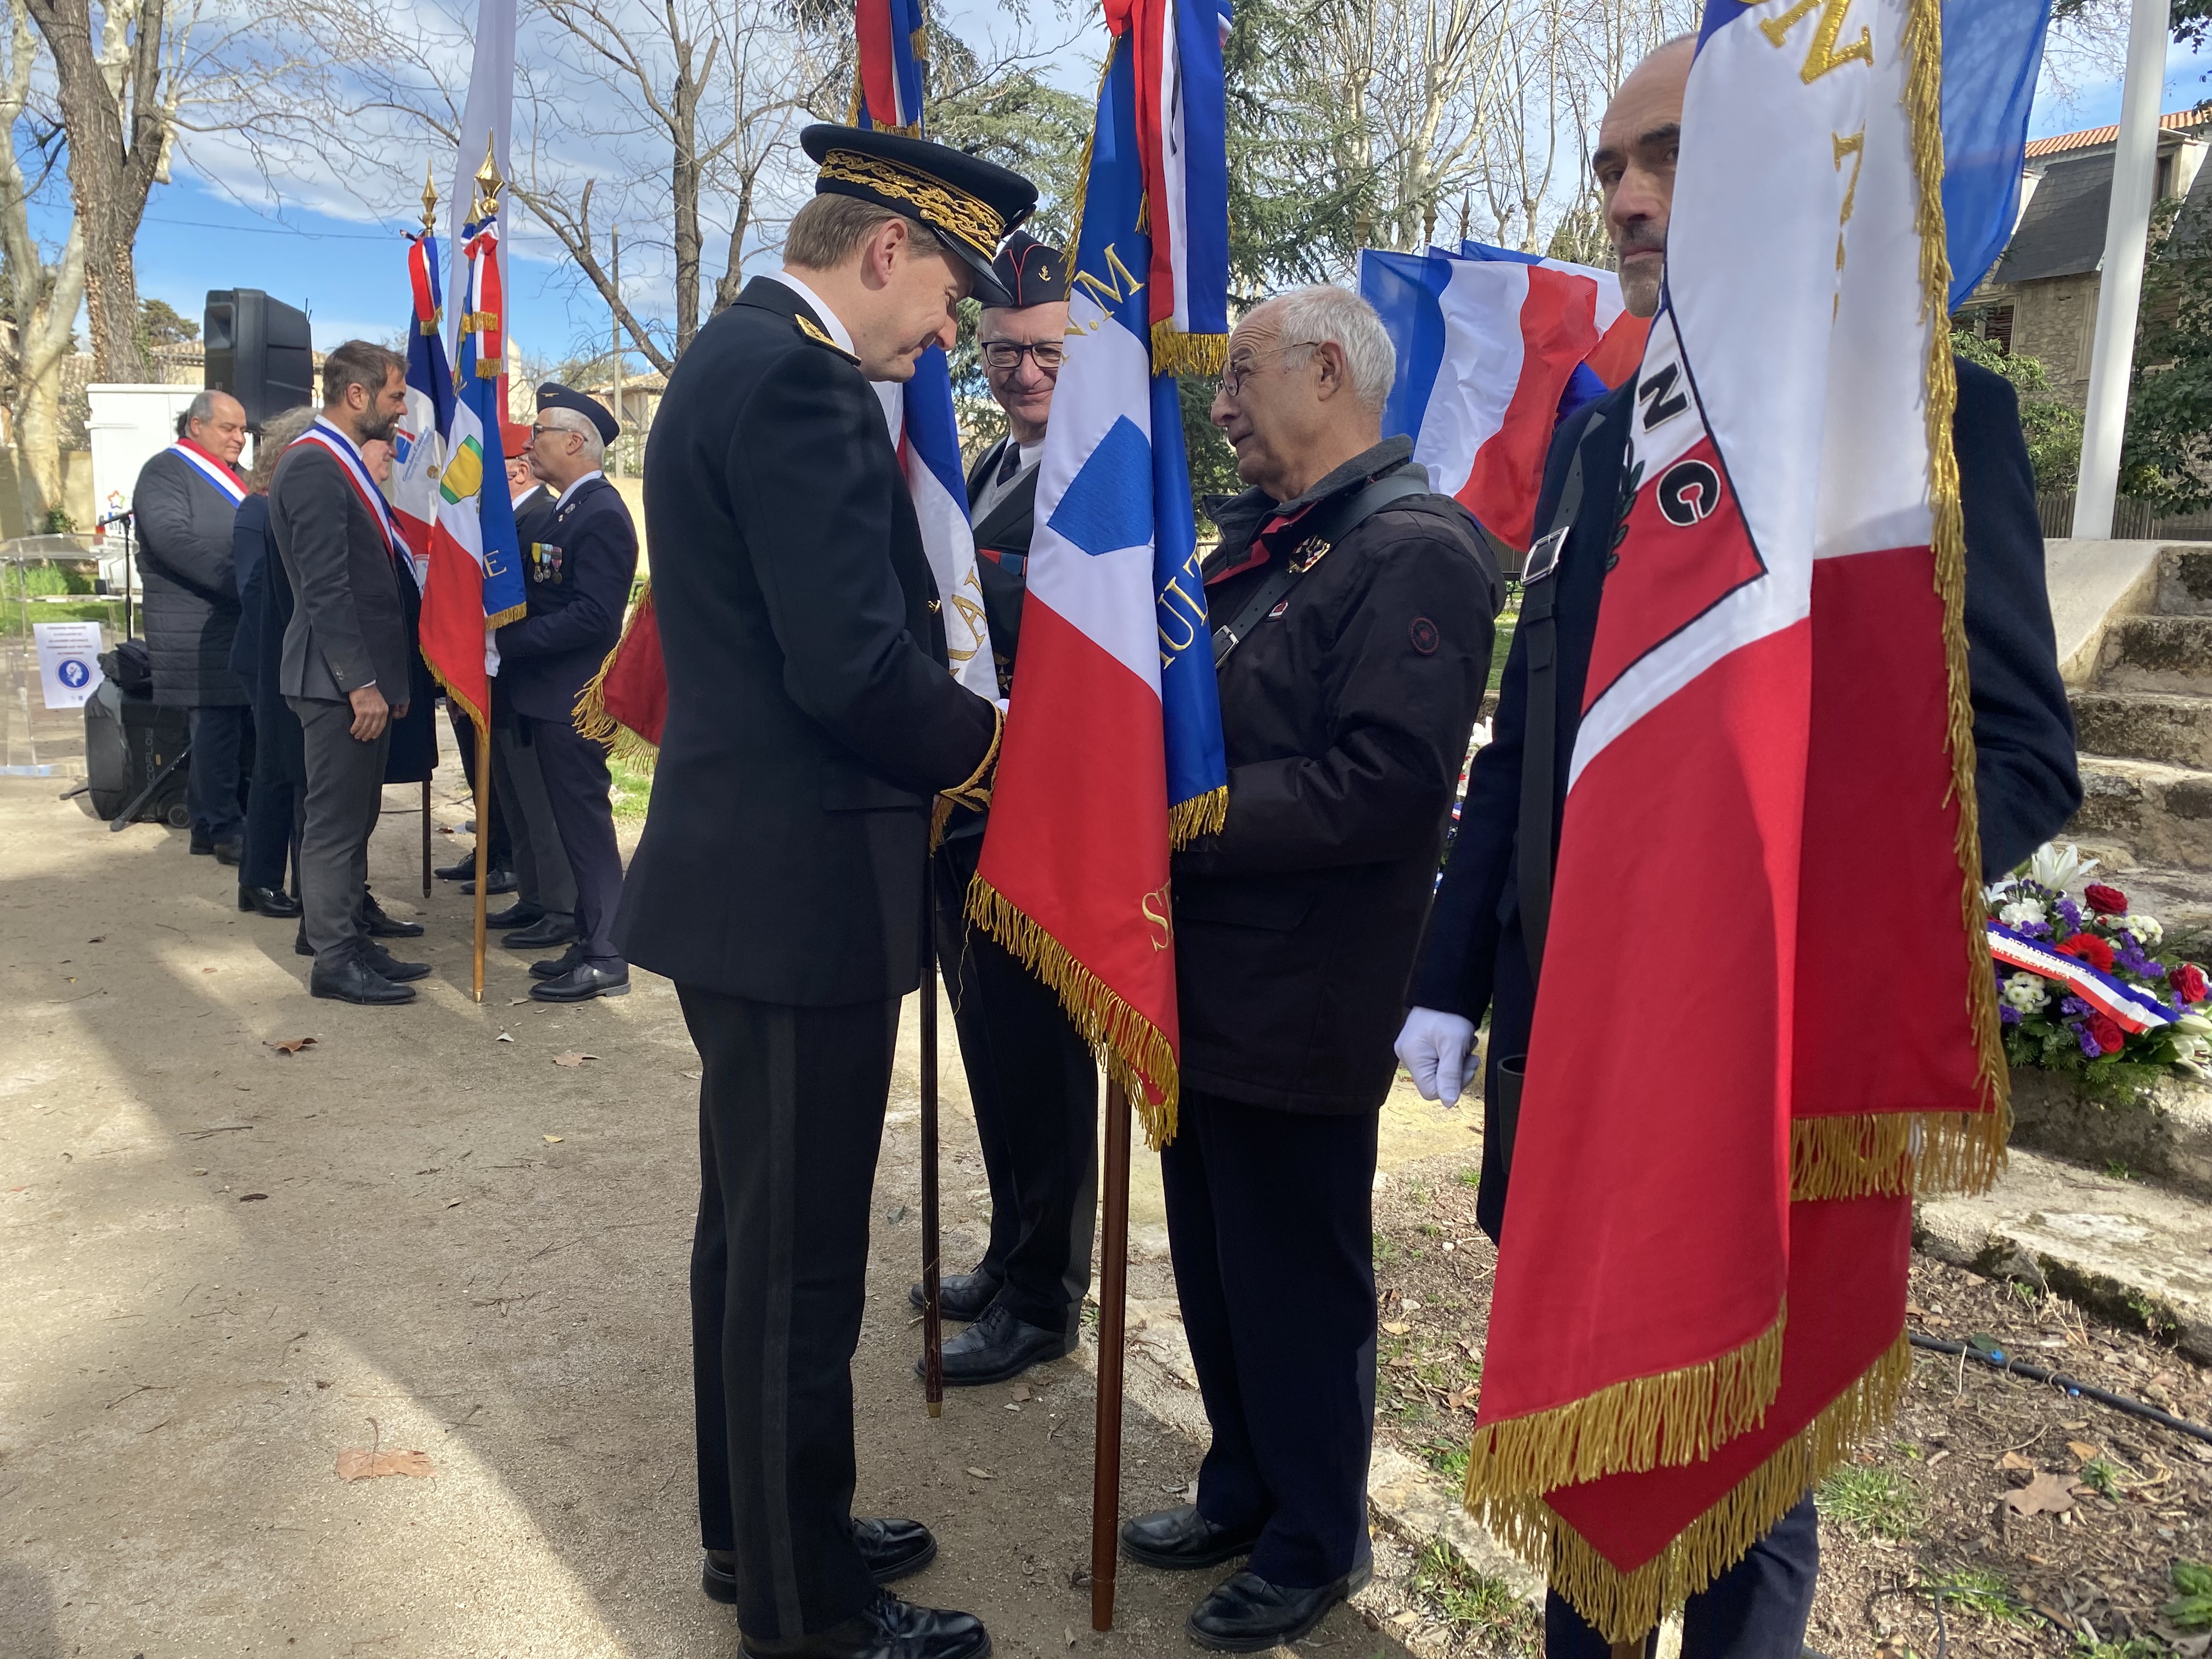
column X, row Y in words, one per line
column 280, row 776
column 1033, row 1080
column 779, row 882
column 1346, row 718
column 348, row 630
column 579, row 560
column 1474, row 956
column 184, row 526
column 412, row 755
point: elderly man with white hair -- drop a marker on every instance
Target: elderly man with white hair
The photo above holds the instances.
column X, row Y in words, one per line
column 1351, row 613
column 578, row 565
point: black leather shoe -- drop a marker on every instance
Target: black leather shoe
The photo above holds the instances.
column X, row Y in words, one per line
column 377, row 925
column 357, row 981
column 997, row 1346
column 300, row 945
column 893, row 1550
column 230, row 851
column 583, row 982
column 891, row 1629
column 520, row 914
column 390, row 966
column 202, row 846
column 549, row 930
column 496, row 881
column 268, row 902
column 1245, row 1614
column 466, row 870
column 960, row 1296
column 1181, row 1539
column 554, row 967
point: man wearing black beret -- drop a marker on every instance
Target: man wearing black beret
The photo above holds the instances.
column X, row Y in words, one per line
column 579, row 563
column 1032, row 1079
column 812, row 723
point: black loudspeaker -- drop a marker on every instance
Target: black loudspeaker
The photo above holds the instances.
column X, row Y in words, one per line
column 259, row 350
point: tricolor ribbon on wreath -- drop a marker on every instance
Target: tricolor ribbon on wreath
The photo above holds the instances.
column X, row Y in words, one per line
column 2126, row 1005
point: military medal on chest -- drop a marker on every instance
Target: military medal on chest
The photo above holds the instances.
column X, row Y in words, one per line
column 545, row 562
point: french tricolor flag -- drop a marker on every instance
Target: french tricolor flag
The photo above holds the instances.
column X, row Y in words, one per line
column 887, row 89
column 1494, row 348
column 1113, row 753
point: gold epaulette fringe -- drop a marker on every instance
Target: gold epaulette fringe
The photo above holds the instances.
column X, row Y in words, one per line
column 1201, row 815
column 1923, row 108
column 1177, row 353
column 1128, row 1045
column 1624, row 1606
column 1897, row 1153
column 1674, row 1417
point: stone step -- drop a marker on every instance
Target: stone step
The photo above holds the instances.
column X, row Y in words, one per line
column 2128, row 1251
column 2157, row 653
column 2156, row 1129
column 2163, row 814
column 2184, row 583
column 2153, row 725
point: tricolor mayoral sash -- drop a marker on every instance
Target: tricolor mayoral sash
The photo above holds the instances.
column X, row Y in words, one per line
column 1700, row 1294
column 215, row 471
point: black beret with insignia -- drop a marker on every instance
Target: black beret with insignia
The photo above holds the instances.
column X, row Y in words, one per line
column 969, row 203
column 1031, row 272
column 554, row 395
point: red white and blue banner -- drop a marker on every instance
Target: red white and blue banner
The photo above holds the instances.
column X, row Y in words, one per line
column 476, row 562
column 1777, row 685
column 363, row 483
column 1112, row 754
column 1178, row 128
column 1495, row 348
column 920, row 413
column 212, row 467
column 418, row 443
column 2128, row 1006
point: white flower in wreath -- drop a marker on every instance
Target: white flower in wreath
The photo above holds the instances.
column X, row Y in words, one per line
column 2148, row 930
column 2059, row 869
column 2023, row 913
column 2026, row 991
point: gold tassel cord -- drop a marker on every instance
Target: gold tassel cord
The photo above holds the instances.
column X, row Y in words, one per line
column 1128, row 1045
column 1201, row 815
column 1675, row 1418
column 1923, row 95
column 1177, row 353
column 1083, row 164
column 1895, row 1153
column 1624, row 1606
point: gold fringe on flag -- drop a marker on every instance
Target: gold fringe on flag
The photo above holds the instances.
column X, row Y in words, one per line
column 1177, row 353
column 1923, row 100
column 590, row 715
column 476, row 715
column 1201, row 815
column 1675, row 1418
column 1624, row 1606
column 1895, row 1153
column 1127, row 1044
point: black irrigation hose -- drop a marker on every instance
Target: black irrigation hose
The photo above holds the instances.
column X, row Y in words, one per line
column 2000, row 1361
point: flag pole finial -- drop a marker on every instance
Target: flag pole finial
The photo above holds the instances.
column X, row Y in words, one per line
column 488, row 182
column 430, row 195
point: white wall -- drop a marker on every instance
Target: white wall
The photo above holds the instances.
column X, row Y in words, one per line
column 129, row 426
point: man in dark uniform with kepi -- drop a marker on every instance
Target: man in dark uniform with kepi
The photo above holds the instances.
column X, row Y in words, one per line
column 1033, row 1080
column 579, row 563
column 812, row 721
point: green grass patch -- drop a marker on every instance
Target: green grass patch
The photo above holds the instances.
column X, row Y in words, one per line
column 1474, row 1603
column 1447, row 1457
column 13, row 621
column 633, row 789
column 1872, row 1502
column 1469, row 1177
column 1980, row 1590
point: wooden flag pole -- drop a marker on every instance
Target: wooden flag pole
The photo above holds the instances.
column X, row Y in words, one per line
column 483, row 844
column 1113, row 1313
column 933, row 1310
column 426, row 835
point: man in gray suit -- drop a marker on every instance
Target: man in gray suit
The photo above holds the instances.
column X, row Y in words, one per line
column 345, row 650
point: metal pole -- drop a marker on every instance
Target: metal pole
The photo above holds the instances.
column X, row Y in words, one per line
column 426, row 833
column 2119, row 291
column 614, row 314
column 1113, row 1316
column 483, row 843
column 932, row 1309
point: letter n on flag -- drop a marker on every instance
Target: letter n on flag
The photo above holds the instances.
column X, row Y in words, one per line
column 1112, row 754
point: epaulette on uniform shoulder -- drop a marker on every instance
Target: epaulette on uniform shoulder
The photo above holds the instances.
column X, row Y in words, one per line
column 815, row 332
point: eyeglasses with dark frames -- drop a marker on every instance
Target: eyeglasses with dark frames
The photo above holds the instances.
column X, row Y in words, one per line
column 1003, row 354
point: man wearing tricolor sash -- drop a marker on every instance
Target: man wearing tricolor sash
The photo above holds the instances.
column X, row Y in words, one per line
column 183, row 502
column 1763, row 569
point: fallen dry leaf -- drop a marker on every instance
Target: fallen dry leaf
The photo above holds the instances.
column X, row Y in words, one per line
column 2083, row 1450
column 1396, row 1327
column 290, row 1045
column 207, row 970
column 554, row 1140
column 357, row 1464
column 2047, row 1494
column 1022, row 1391
column 2013, row 1460
column 572, row 1059
column 503, row 1037
column 248, row 1197
column 980, row 1474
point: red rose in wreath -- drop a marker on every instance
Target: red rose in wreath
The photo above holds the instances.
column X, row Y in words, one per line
column 2106, row 901
column 2188, row 982
column 2087, row 947
column 2108, row 1036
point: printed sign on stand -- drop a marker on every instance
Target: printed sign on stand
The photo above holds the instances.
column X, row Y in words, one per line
column 68, row 662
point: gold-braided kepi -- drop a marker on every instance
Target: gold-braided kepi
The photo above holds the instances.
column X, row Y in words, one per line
column 969, row 203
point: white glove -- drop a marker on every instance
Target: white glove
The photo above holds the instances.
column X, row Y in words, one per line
column 1434, row 1047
